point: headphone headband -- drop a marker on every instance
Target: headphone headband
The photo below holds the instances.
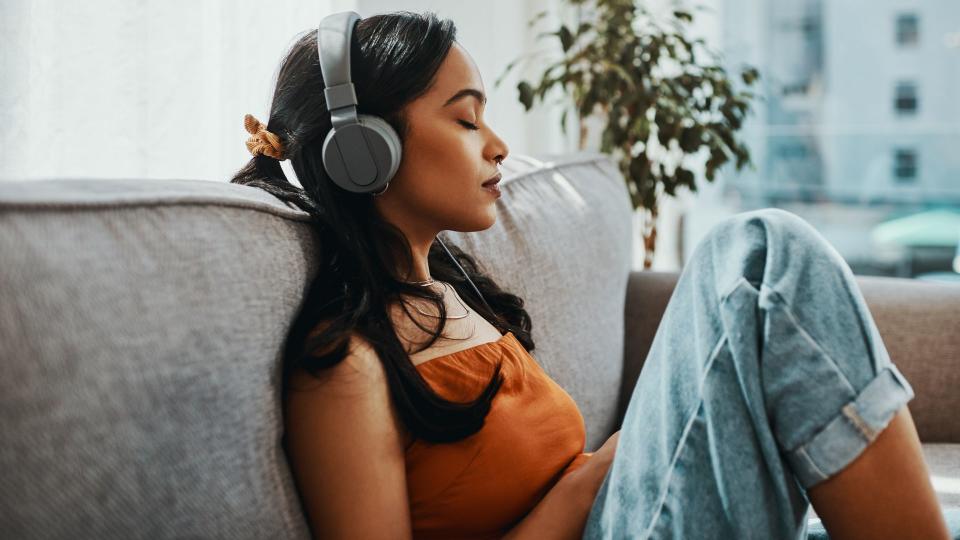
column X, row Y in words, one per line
column 333, row 42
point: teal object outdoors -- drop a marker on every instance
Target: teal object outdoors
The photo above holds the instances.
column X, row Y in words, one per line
column 938, row 276
column 930, row 228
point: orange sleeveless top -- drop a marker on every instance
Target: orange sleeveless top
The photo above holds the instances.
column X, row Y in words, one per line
column 481, row 486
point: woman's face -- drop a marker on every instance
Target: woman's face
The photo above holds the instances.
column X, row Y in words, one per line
column 448, row 152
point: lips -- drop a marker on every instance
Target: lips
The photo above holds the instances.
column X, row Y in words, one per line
column 493, row 180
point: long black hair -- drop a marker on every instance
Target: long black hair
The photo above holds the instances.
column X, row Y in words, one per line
column 394, row 59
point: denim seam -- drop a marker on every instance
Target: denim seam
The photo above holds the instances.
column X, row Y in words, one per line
column 779, row 300
column 686, row 431
column 851, row 413
column 733, row 287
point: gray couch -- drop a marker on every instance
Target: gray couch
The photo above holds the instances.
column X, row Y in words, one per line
column 141, row 325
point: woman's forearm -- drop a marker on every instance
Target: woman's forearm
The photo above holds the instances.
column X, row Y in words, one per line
column 561, row 514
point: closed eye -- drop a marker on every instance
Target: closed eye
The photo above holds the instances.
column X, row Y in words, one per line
column 467, row 125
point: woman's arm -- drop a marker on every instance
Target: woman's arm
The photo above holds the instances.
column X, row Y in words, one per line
column 561, row 514
column 563, row 511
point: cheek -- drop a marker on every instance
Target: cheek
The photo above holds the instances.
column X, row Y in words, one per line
column 449, row 147
column 452, row 208
column 441, row 165
column 444, row 158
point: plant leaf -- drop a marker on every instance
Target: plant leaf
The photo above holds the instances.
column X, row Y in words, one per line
column 566, row 38
column 526, row 94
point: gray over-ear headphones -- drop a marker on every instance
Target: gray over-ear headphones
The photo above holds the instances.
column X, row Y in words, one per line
column 361, row 152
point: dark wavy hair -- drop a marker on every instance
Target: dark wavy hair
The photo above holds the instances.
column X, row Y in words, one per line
column 394, row 59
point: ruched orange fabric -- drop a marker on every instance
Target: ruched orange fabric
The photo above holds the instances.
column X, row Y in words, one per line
column 481, row 486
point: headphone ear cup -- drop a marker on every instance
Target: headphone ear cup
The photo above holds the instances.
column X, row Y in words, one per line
column 390, row 154
column 372, row 140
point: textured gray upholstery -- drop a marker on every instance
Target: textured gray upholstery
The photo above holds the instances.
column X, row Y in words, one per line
column 140, row 329
column 141, row 325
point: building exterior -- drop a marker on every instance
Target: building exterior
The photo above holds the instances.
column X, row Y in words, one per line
column 861, row 100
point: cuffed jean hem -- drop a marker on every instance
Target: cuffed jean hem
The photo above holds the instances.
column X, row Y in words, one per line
column 849, row 432
column 842, row 437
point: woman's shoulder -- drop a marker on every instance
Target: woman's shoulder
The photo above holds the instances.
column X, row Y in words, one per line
column 361, row 354
column 363, row 370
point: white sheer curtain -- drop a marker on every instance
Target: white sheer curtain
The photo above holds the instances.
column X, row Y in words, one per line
column 112, row 89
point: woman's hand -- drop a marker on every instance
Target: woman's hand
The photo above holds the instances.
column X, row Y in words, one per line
column 563, row 512
column 595, row 469
column 604, row 454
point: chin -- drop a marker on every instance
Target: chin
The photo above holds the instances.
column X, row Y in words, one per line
column 493, row 221
column 482, row 222
column 491, row 217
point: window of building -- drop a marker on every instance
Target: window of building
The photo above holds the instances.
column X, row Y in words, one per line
column 905, row 164
column 791, row 151
column 908, row 29
column 905, row 99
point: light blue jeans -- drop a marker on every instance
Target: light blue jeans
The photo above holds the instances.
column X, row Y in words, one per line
column 766, row 376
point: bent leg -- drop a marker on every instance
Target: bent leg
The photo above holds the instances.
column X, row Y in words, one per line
column 884, row 493
column 766, row 376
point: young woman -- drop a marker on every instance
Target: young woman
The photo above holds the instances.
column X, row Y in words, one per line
column 405, row 412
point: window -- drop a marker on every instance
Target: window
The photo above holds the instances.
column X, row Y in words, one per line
column 905, row 164
column 908, row 29
column 791, row 151
column 799, row 88
column 905, row 99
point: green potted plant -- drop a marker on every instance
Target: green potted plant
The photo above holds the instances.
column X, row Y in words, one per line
column 663, row 98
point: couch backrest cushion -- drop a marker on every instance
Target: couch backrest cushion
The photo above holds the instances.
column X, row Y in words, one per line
column 141, row 327
column 140, row 331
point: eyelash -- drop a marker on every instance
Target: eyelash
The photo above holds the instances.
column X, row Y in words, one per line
column 468, row 125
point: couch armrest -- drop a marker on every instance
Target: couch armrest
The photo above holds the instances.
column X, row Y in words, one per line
column 918, row 320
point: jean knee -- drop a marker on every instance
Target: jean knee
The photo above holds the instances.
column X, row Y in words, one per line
column 780, row 224
column 767, row 245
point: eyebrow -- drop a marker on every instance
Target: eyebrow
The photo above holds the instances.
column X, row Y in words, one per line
column 467, row 92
